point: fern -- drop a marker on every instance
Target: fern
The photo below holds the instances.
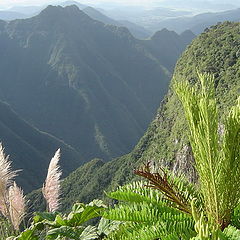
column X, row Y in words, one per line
column 148, row 214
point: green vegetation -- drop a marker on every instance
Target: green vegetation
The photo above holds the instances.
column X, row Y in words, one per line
column 166, row 206
column 57, row 226
column 166, row 138
column 175, row 208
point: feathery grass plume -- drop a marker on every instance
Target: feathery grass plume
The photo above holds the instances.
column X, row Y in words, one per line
column 6, row 177
column 17, row 205
column 51, row 188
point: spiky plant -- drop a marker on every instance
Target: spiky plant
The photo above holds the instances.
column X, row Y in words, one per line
column 217, row 156
column 51, row 188
column 170, row 208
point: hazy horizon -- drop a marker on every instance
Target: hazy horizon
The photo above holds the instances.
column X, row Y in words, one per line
column 4, row 4
column 12, row 3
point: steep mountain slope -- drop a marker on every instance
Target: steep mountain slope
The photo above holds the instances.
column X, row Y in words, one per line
column 32, row 150
column 215, row 51
column 30, row 11
column 197, row 23
column 136, row 30
column 92, row 85
column 167, row 46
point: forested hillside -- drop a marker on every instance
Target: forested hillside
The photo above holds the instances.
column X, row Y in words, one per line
column 92, row 85
column 215, row 51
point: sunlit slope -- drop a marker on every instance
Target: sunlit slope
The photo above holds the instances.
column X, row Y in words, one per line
column 215, row 51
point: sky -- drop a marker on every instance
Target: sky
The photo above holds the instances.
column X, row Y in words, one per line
column 10, row 3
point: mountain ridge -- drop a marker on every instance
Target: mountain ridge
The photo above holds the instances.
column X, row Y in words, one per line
column 166, row 138
column 94, row 86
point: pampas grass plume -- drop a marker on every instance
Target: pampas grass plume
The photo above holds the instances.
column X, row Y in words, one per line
column 17, row 205
column 6, row 178
column 51, row 188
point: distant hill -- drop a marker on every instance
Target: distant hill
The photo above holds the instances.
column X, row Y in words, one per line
column 31, row 150
column 10, row 15
column 215, row 51
column 202, row 5
column 136, row 30
column 167, row 46
column 22, row 12
column 27, row 10
column 197, row 23
column 92, row 85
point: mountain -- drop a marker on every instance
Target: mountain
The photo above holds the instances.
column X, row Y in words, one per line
column 136, row 30
column 215, row 51
column 202, row 5
column 143, row 15
column 69, row 3
column 22, row 12
column 92, row 85
column 31, row 150
column 197, row 23
column 167, row 46
column 10, row 15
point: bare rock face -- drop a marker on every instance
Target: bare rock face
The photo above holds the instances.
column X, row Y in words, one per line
column 184, row 163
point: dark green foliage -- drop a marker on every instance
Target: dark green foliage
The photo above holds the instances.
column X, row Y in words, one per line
column 47, row 225
column 209, row 205
column 166, row 137
column 147, row 214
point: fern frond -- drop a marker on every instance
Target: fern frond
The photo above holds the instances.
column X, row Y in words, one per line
column 136, row 192
column 162, row 182
column 144, row 212
column 154, row 231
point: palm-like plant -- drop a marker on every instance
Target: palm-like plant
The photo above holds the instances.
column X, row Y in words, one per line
column 171, row 208
column 217, row 156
